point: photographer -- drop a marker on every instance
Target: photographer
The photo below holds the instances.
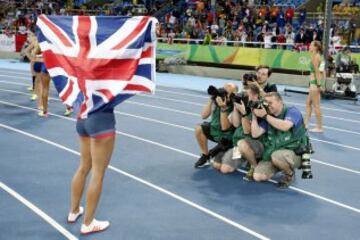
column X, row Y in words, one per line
column 252, row 148
column 344, row 63
column 263, row 73
column 229, row 161
column 285, row 133
column 343, row 60
column 218, row 129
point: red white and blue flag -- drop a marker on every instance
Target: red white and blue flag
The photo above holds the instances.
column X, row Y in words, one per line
column 96, row 62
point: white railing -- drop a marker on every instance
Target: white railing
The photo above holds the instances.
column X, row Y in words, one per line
column 241, row 43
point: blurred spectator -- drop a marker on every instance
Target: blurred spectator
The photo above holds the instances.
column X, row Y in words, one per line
column 290, row 39
column 207, row 38
column 302, row 16
column 289, row 15
column 301, row 37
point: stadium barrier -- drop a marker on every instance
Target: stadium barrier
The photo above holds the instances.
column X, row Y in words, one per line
column 240, row 55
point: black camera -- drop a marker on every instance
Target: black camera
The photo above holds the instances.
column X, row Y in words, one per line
column 305, row 152
column 249, row 77
column 216, row 92
column 261, row 103
column 238, row 97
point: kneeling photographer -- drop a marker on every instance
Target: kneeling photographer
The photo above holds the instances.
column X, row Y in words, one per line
column 229, row 161
column 218, row 106
column 263, row 73
column 251, row 148
column 285, row 134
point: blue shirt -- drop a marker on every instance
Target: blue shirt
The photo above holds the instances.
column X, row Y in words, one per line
column 293, row 115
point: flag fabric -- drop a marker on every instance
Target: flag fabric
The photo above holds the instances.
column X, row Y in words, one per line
column 96, row 62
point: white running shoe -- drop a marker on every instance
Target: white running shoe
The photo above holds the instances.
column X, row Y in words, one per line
column 34, row 97
column 94, row 226
column 72, row 217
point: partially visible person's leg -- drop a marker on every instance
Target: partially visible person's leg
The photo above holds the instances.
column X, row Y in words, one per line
column 250, row 150
column 38, row 90
column 79, row 179
column 217, row 160
column 202, row 134
column 201, row 139
column 45, row 80
column 264, row 171
column 101, row 151
column 286, row 161
column 229, row 164
column 32, row 88
column 315, row 95
column 308, row 110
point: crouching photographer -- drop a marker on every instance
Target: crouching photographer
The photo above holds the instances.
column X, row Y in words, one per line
column 229, row 161
column 251, row 147
column 285, row 135
column 217, row 130
column 344, row 63
column 263, row 73
column 261, row 79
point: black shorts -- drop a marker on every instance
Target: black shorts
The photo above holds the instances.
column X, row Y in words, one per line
column 97, row 125
column 205, row 126
column 256, row 146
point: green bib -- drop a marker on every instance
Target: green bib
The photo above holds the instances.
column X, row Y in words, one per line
column 238, row 135
column 215, row 126
column 276, row 139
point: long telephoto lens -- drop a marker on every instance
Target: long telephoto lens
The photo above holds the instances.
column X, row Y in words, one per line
column 306, row 166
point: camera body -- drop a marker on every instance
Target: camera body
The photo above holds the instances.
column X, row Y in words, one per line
column 261, row 103
column 216, row 92
column 249, row 77
column 238, row 97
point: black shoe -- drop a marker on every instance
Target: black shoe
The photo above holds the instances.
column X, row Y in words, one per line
column 203, row 160
column 287, row 180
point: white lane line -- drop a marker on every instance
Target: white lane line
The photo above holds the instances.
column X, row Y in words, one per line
column 357, row 210
column 147, row 105
column 196, row 114
column 196, row 156
column 20, row 72
column 37, row 210
column 163, row 108
column 147, row 183
column 183, row 94
column 335, row 166
column 192, row 130
column 13, row 83
column 154, row 120
column 127, row 101
column 172, row 100
column 297, row 104
column 171, row 125
column 197, row 104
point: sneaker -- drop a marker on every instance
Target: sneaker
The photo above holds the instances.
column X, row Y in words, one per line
column 72, row 217
column 203, row 160
column 30, row 89
column 316, row 130
column 287, row 180
column 94, row 226
column 68, row 112
column 249, row 175
column 33, row 97
column 43, row 114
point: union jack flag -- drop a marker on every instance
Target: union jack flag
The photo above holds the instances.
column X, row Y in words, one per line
column 96, row 62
